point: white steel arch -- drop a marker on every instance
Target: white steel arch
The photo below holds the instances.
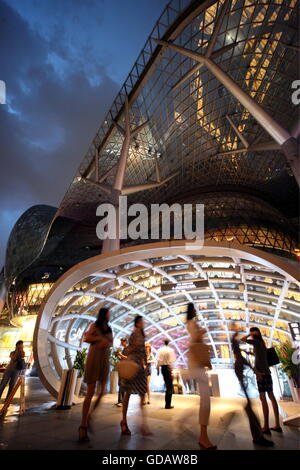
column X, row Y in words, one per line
column 101, row 280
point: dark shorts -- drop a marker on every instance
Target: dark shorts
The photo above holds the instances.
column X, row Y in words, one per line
column 265, row 385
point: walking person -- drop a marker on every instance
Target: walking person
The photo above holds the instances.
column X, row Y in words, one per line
column 99, row 335
column 120, row 353
column 165, row 360
column 13, row 370
column 198, row 373
column 138, row 384
column 263, row 378
column 239, row 365
column 149, row 361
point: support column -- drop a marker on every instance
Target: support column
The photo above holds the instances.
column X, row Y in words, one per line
column 288, row 143
column 114, row 244
column 274, row 129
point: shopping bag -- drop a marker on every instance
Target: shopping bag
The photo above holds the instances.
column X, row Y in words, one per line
column 272, row 357
column 199, row 355
column 127, row 369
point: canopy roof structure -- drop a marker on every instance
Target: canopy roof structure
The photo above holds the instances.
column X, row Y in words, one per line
column 195, row 125
column 228, row 283
column 205, row 116
column 209, row 105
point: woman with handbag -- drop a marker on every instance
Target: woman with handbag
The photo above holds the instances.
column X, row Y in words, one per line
column 14, row 368
column 263, row 378
column 99, row 335
column 198, row 360
column 136, row 381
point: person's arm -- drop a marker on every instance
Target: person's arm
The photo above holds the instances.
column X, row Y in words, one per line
column 152, row 359
column 13, row 355
column 120, row 355
column 109, row 339
column 91, row 336
column 245, row 339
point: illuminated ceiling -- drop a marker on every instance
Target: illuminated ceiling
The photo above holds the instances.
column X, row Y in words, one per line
column 196, row 127
column 243, row 285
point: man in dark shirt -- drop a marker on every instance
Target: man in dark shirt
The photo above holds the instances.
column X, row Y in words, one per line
column 263, row 378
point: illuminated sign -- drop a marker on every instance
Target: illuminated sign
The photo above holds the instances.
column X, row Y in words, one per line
column 184, row 285
column 75, row 334
column 295, row 330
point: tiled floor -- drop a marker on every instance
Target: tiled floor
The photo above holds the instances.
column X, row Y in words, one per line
column 44, row 427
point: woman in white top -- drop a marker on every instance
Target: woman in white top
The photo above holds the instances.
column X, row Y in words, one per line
column 198, row 373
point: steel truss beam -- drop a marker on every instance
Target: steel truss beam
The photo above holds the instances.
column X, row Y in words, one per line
column 287, row 142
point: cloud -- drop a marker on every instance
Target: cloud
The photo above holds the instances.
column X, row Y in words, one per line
column 49, row 120
column 63, row 63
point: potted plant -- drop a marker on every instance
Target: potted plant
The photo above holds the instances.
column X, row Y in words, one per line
column 286, row 354
column 79, row 364
column 114, row 373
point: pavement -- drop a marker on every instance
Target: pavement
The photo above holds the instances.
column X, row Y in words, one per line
column 42, row 427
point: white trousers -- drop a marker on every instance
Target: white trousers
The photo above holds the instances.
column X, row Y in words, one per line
column 199, row 374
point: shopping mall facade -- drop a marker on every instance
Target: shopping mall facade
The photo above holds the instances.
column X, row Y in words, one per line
column 206, row 116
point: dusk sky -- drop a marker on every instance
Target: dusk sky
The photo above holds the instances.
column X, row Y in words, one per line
column 63, row 62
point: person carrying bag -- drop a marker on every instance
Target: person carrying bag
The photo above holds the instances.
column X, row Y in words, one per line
column 12, row 371
column 199, row 355
column 198, row 360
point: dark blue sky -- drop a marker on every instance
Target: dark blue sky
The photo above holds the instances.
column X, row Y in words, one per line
column 63, row 62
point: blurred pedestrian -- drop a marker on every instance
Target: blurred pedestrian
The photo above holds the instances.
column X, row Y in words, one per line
column 198, row 373
column 149, row 361
column 239, row 365
column 137, row 384
column 263, row 378
column 165, row 360
column 13, row 370
column 120, row 353
column 99, row 335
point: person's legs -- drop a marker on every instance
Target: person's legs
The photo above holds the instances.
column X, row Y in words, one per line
column 204, row 411
column 87, row 403
column 125, row 406
column 148, row 387
column 265, row 408
column 144, row 426
column 4, row 381
column 163, row 371
column 124, row 427
column 275, row 409
column 120, row 390
column 167, row 375
column 100, row 391
column 13, row 379
column 254, row 423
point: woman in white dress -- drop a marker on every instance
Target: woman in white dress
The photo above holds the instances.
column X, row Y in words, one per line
column 199, row 374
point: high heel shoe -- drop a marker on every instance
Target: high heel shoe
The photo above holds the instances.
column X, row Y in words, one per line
column 83, row 436
column 125, row 429
column 202, row 447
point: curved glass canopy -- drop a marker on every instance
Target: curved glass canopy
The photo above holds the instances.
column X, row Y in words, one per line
column 227, row 283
